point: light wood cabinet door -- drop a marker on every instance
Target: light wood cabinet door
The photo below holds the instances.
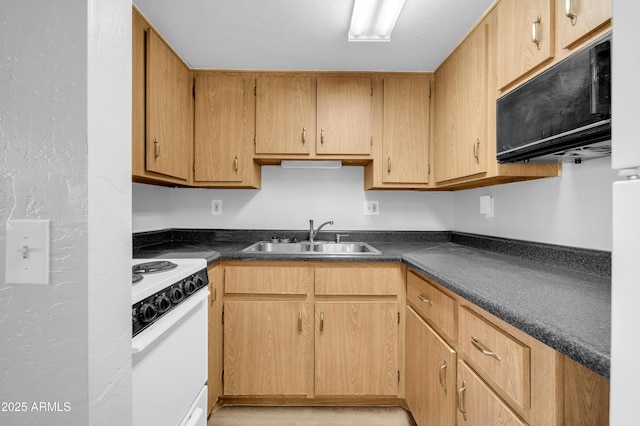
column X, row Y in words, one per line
column 214, row 382
column 224, row 128
column 267, row 347
column 478, row 405
column 168, row 110
column 356, row 348
column 405, row 140
column 431, row 374
column 344, row 115
column 284, row 115
column 576, row 19
column 525, row 31
column 460, row 146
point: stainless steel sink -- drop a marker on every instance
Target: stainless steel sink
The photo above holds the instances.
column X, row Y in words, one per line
column 269, row 247
column 344, row 248
column 317, row 248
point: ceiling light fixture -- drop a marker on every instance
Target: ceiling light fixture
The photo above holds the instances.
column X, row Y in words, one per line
column 373, row 20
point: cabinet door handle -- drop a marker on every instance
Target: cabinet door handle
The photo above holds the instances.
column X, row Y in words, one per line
column 304, row 136
column 321, row 136
column 460, row 400
column 441, row 375
column 535, row 28
column 214, row 294
column 476, row 150
column 300, row 322
column 235, row 164
column 156, row 148
column 479, row 346
column 389, row 165
column 421, row 297
column 570, row 11
column 321, row 322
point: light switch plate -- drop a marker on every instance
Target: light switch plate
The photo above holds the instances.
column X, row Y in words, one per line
column 27, row 252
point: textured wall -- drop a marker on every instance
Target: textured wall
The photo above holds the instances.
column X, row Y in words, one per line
column 109, row 207
column 43, row 142
column 44, row 127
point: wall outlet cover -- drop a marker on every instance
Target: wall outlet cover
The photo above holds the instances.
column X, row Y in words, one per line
column 371, row 208
column 216, row 207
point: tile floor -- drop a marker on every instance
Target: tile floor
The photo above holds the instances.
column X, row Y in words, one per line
column 310, row 416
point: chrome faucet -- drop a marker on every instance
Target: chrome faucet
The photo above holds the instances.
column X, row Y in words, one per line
column 312, row 233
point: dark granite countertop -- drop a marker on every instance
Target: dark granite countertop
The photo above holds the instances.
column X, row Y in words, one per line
column 558, row 295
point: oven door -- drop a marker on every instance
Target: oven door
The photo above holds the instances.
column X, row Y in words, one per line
column 170, row 364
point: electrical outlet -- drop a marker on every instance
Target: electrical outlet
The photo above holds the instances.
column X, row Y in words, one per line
column 371, row 208
column 216, row 207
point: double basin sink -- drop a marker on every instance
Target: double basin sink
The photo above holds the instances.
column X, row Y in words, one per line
column 316, row 247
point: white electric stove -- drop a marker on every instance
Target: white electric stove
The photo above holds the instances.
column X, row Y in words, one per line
column 169, row 345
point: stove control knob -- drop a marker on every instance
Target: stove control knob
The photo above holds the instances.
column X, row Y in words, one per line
column 189, row 287
column 148, row 312
column 163, row 303
column 199, row 281
column 176, row 294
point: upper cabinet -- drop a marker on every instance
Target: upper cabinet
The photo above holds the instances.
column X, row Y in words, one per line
column 402, row 159
column 344, row 114
column 460, row 147
column 162, row 143
column 525, row 29
column 576, row 19
column 313, row 116
column 224, row 129
column 285, row 121
column 466, row 90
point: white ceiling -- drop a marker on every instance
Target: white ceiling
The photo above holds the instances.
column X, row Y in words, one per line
column 307, row 35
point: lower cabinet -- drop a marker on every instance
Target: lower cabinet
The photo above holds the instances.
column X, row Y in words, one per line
column 431, row 374
column 304, row 330
column 478, row 404
column 266, row 347
column 489, row 372
column 356, row 348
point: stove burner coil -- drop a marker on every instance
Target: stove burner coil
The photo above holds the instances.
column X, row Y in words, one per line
column 153, row 267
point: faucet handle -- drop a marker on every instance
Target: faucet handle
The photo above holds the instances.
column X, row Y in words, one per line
column 339, row 236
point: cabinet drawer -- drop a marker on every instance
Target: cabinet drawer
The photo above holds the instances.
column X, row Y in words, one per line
column 434, row 305
column 268, row 279
column 496, row 355
column 375, row 281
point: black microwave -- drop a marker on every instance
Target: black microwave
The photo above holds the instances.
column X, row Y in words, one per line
column 562, row 114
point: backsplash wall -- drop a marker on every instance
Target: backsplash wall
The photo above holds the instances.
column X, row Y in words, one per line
column 288, row 199
column 573, row 210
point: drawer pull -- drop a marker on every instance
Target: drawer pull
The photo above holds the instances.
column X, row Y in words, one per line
column 475, row 342
column 460, row 400
column 300, row 322
column 441, row 375
column 321, row 322
column 421, row 297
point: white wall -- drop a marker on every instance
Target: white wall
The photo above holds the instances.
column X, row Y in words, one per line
column 288, row 199
column 109, row 211
column 64, row 145
column 572, row 210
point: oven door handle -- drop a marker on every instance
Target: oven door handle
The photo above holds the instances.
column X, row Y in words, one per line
column 158, row 328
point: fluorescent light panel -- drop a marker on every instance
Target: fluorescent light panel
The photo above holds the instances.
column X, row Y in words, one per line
column 373, row 20
column 310, row 164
